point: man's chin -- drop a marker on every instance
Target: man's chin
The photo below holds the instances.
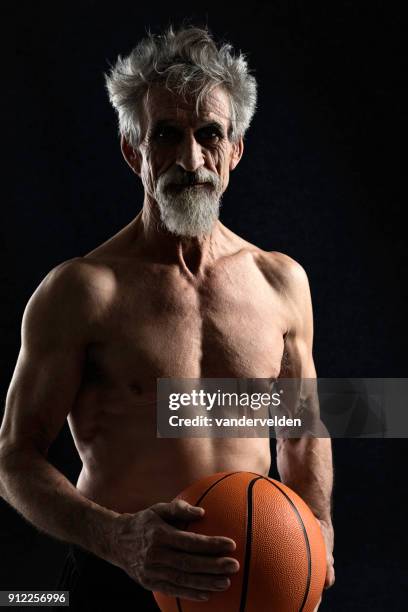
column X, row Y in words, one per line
column 189, row 228
column 192, row 213
column 189, row 232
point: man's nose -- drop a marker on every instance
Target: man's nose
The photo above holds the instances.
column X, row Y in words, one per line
column 190, row 156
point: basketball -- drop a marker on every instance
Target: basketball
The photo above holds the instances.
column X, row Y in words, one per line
column 280, row 546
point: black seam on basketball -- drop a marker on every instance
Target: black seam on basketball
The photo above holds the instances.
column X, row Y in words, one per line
column 200, row 499
column 248, row 545
column 309, row 556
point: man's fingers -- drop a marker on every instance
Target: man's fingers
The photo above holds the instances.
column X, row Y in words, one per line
column 177, row 591
column 317, row 607
column 196, row 543
column 185, row 540
column 178, row 509
column 330, row 577
column 203, row 582
column 197, row 563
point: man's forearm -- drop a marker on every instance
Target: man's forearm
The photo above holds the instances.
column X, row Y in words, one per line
column 306, row 466
column 46, row 498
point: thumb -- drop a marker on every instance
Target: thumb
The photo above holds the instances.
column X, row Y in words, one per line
column 330, row 577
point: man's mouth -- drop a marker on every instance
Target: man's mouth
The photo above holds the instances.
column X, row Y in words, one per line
column 189, row 184
column 180, row 186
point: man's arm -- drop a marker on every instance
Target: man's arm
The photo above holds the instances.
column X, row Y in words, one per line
column 147, row 545
column 305, row 463
column 45, row 382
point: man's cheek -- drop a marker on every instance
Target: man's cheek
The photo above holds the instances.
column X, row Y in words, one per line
column 221, row 164
column 147, row 184
column 148, row 179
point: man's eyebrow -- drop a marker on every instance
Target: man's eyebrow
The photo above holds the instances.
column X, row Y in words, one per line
column 213, row 125
column 161, row 123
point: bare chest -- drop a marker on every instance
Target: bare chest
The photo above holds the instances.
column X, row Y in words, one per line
column 231, row 325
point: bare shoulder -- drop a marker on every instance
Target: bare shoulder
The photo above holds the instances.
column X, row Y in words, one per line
column 283, row 272
column 69, row 296
column 289, row 279
column 77, row 279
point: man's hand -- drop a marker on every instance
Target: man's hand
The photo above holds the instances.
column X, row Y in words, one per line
column 161, row 557
column 328, row 535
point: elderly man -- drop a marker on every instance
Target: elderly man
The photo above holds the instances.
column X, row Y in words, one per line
column 174, row 294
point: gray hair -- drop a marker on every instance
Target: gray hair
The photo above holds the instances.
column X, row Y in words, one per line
column 187, row 62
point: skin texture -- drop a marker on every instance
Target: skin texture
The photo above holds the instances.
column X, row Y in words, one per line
column 99, row 331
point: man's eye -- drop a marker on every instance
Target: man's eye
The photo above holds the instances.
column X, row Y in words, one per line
column 167, row 135
column 211, row 136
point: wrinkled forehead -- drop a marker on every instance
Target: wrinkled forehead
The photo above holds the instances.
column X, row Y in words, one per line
column 161, row 104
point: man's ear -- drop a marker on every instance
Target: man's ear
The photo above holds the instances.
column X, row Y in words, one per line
column 132, row 156
column 237, row 151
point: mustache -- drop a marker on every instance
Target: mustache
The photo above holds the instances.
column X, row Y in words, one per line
column 177, row 176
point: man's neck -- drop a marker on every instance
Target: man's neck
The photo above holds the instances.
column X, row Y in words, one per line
column 193, row 254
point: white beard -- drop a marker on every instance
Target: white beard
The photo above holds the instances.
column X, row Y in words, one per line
column 191, row 211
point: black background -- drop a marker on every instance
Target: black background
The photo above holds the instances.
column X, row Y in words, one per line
column 322, row 179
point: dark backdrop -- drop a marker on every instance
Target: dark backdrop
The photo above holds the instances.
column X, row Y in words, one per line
column 322, row 179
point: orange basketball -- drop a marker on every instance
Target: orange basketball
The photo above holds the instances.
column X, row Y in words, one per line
column 280, row 547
